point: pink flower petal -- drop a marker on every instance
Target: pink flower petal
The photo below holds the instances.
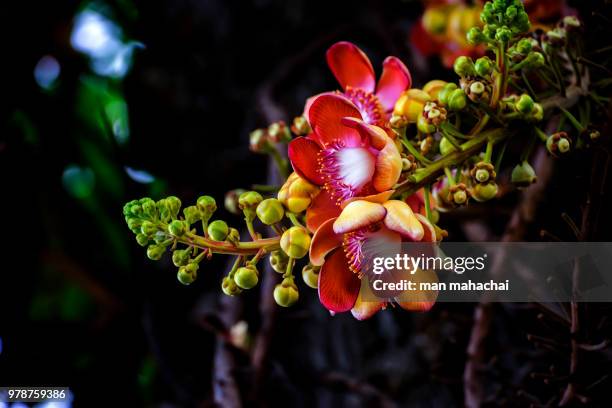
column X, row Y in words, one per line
column 394, row 80
column 351, row 66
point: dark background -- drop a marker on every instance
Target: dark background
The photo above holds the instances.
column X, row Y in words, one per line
column 81, row 305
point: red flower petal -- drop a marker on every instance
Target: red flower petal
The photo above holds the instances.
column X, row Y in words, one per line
column 351, row 66
column 303, row 153
column 338, row 285
column 325, row 115
column 323, row 242
column 323, row 208
column 394, row 80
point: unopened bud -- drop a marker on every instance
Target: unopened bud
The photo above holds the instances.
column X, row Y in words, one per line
column 270, row 211
column 286, row 293
column 218, row 230
column 485, row 191
column 246, row 277
column 231, row 200
column 483, row 66
column 295, row 242
column 192, row 214
column 177, row 228
column 181, row 257
column 187, row 274
column 229, row 287
column 279, row 132
column 446, row 147
column 155, row 252
column 148, row 228
column 464, row 66
column 142, row 240
column 279, row 260
column 310, row 275
column 523, row 175
column 457, row 100
column 524, row 104
column 300, row 126
column 207, row 206
column 259, row 141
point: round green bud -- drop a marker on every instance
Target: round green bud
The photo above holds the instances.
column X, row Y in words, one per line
column 229, row 287
column 483, row 66
column 270, row 211
column 445, row 92
column 460, row 197
column 207, row 206
column 246, row 277
column 173, row 205
column 464, row 66
column 446, row 147
column 524, row 104
column 484, row 191
column 177, row 228
column 286, row 293
column 424, row 126
column 155, row 252
column 457, row 100
column 503, row 34
column 187, row 274
column 127, row 208
column 142, row 240
column 218, row 230
column 278, row 261
column 534, row 60
column 134, row 224
column 523, row 175
column 192, row 214
column 148, row 228
column 231, row 200
column 249, row 200
column 310, row 275
column 511, row 13
column 524, row 46
column 295, row 242
column 482, row 175
column 149, row 209
column 181, row 257
column 475, row 36
column 477, row 87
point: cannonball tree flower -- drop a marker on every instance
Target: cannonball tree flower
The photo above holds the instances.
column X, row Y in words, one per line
column 353, row 70
column 338, row 247
column 344, row 155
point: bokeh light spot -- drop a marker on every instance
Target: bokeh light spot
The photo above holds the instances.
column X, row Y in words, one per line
column 46, row 72
column 79, row 182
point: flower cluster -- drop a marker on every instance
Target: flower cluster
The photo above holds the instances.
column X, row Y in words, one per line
column 380, row 160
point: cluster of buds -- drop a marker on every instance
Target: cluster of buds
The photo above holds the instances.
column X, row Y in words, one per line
column 526, row 54
column 452, row 97
column 524, row 106
column 558, row 144
column 263, row 140
column 503, row 19
column 432, row 116
column 158, row 225
column 475, row 78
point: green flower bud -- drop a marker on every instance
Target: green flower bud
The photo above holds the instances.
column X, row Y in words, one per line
column 246, row 277
column 174, row 206
column 511, row 13
column 524, row 46
column 134, row 225
column 249, row 200
column 187, row 274
column 231, row 200
column 218, row 230
column 523, row 175
column 286, row 293
column 424, row 126
column 485, row 191
column 571, row 22
column 537, row 113
column 457, row 100
column 155, row 252
column 127, row 208
column 148, row 228
column 295, row 242
column 149, row 209
column 178, row 228
column 142, row 240
column 310, row 275
column 464, row 66
column 279, row 260
column 483, row 66
column 207, row 206
column 475, row 36
column 446, row 147
column 503, row 34
column 192, row 214
column 162, row 209
column 229, row 287
column 160, row 237
column 270, row 211
column 524, row 104
column 181, row 257
column 477, row 87
column 445, row 93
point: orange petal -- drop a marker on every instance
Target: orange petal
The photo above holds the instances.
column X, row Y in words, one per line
column 388, row 167
column 430, row 231
column 322, row 208
column 323, row 242
column 364, row 309
column 373, row 198
column 338, row 285
column 401, row 218
column 358, row 214
column 419, row 300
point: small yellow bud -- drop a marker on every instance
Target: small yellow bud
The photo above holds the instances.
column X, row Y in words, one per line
column 295, row 242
